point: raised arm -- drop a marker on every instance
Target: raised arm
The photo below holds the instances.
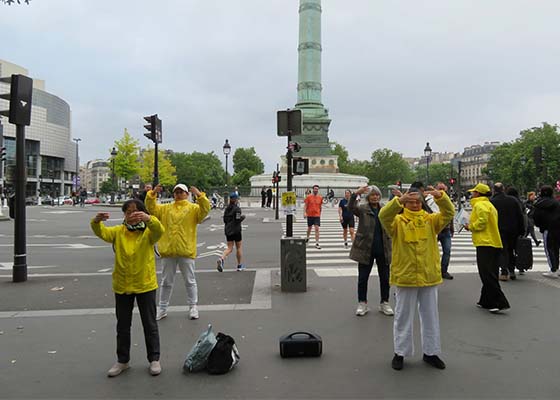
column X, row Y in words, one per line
column 151, row 202
column 106, row 234
column 202, row 202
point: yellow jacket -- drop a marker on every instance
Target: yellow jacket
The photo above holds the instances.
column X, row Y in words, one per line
column 415, row 261
column 181, row 219
column 484, row 223
column 135, row 262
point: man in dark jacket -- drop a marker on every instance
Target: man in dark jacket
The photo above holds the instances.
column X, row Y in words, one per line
column 232, row 230
column 511, row 226
column 268, row 197
column 370, row 244
column 546, row 215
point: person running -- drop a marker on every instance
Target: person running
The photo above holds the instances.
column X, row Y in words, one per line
column 232, row 230
column 346, row 218
column 374, row 245
column 416, row 270
column 178, row 244
column 134, row 277
column 486, row 238
column 312, row 208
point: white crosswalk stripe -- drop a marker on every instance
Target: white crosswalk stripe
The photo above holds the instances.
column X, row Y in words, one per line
column 332, row 259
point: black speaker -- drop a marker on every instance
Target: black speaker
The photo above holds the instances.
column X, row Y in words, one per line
column 301, row 344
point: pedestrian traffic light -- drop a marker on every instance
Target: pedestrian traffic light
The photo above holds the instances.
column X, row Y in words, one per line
column 21, row 90
column 2, row 154
column 274, row 177
column 451, row 181
column 154, row 128
column 300, row 166
column 294, row 146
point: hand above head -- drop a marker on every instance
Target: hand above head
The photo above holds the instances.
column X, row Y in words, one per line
column 436, row 193
column 408, row 196
column 396, row 193
column 101, row 216
column 194, row 191
column 158, row 188
column 362, row 190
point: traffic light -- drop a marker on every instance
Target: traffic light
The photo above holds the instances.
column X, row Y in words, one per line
column 154, row 128
column 300, row 166
column 294, row 146
column 274, row 177
column 451, row 181
column 21, row 90
column 2, row 154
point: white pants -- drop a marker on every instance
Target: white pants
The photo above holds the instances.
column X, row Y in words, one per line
column 407, row 299
column 186, row 266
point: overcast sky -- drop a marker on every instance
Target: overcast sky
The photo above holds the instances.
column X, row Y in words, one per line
column 396, row 73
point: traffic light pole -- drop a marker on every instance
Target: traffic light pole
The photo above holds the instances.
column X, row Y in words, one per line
column 156, row 170
column 19, row 271
column 289, row 217
column 277, row 184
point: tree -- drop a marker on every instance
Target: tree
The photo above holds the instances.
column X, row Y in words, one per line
column 166, row 170
column 340, row 151
column 107, row 187
column 203, row 170
column 126, row 160
column 388, row 167
column 438, row 172
column 247, row 159
column 242, row 178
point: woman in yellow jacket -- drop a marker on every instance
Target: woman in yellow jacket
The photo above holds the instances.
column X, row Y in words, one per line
column 134, row 277
column 483, row 224
column 416, row 270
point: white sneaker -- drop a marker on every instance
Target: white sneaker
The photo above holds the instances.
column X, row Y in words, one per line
column 161, row 314
column 550, row 274
column 385, row 308
column 155, row 368
column 193, row 312
column 117, row 369
column 362, row 309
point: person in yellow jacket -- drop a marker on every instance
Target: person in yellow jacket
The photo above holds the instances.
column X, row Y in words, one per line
column 134, row 277
column 178, row 244
column 416, row 270
column 483, row 224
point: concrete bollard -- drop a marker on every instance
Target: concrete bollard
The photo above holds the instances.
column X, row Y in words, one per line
column 293, row 267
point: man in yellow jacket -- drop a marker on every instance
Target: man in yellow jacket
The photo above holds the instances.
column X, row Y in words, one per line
column 416, row 270
column 483, row 224
column 177, row 246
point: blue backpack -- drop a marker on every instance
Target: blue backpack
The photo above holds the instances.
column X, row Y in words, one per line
column 197, row 359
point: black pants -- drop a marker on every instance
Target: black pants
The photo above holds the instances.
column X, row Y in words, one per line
column 124, row 304
column 263, row 201
column 363, row 276
column 268, row 201
column 552, row 249
column 491, row 295
column 507, row 262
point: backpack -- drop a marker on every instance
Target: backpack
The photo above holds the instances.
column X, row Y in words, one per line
column 198, row 356
column 224, row 356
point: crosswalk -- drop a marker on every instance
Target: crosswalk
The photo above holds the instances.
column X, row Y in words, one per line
column 332, row 259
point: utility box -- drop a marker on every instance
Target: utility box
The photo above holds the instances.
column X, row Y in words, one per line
column 293, row 267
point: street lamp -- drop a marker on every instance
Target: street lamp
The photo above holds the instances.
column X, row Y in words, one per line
column 77, row 140
column 227, row 150
column 113, row 155
column 428, row 155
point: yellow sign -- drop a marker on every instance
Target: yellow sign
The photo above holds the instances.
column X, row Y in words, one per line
column 288, row 199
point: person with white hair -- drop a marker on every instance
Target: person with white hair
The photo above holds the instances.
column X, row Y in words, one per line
column 177, row 246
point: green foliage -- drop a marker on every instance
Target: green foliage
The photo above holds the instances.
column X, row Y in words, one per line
column 166, row 170
column 514, row 164
column 358, row 167
column 241, row 178
column 107, row 187
column 343, row 162
column 247, row 159
column 203, row 170
column 387, row 167
column 438, row 172
column 126, row 160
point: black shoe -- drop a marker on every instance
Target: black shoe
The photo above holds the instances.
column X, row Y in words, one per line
column 447, row 275
column 397, row 362
column 537, row 243
column 434, row 361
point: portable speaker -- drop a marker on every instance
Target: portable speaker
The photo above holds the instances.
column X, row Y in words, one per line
column 301, row 344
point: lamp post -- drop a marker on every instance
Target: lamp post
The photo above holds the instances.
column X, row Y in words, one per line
column 227, row 150
column 428, row 155
column 523, row 161
column 77, row 140
column 113, row 155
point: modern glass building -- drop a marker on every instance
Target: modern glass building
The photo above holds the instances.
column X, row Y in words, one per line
column 50, row 151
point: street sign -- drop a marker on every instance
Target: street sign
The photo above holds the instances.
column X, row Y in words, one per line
column 289, row 203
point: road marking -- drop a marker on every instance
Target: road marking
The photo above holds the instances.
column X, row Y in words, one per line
column 10, row 265
column 75, row 246
column 261, row 299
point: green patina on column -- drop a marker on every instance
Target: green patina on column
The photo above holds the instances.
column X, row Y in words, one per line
column 315, row 140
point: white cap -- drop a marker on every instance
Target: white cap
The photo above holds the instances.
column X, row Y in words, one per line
column 181, row 186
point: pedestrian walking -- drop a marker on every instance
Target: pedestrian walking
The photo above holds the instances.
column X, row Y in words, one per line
column 444, row 238
column 142, row 195
column 83, row 197
column 312, row 208
column 529, row 210
column 134, row 277
column 178, row 244
column 232, row 229
column 484, row 225
column 346, row 218
column 268, row 197
column 510, row 225
column 373, row 244
column 547, row 219
column 416, row 271
column 263, row 196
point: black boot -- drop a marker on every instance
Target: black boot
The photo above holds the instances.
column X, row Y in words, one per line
column 434, row 361
column 397, row 362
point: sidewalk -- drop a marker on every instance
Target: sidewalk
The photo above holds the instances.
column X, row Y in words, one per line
column 512, row 355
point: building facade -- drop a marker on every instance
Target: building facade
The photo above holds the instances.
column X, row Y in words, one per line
column 94, row 174
column 50, row 151
column 473, row 162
